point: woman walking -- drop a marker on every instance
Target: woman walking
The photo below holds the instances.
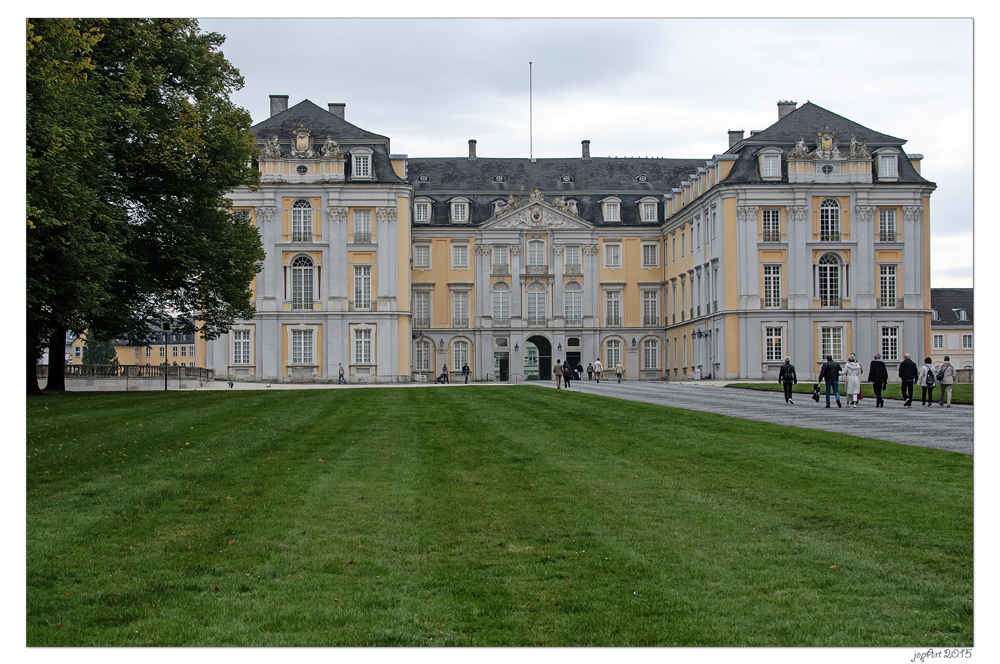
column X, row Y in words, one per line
column 852, row 376
column 946, row 376
column 786, row 376
column 926, row 382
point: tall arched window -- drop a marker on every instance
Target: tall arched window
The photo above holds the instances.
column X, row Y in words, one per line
column 460, row 354
column 536, row 253
column 422, row 356
column 302, row 282
column 650, row 354
column 535, row 296
column 501, row 303
column 828, row 280
column 829, row 220
column 613, row 354
column 302, row 221
column 573, row 303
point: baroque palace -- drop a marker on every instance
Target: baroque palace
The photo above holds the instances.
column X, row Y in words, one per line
column 806, row 239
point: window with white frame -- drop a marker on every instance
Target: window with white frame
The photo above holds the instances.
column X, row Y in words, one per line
column 713, row 222
column 829, row 220
column 77, row 351
column 422, row 356
column 938, row 342
column 771, row 166
column 770, row 225
column 241, row 346
column 302, row 346
column 460, row 211
column 649, row 211
column 459, row 256
column 774, row 343
column 696, row 233
column 612, row 255
column 692, row 238
column 887, row 166
column 613, row 354
column 935, row 314
column 190, row 351
column 183, row 351
column 889, row 335
column 137, row 353
column 422, row 256
column 650, row 255
column 362, row 164
column 421, row 210
column 149, row 351
column 302, row 221
column 650, row 308
column 887, row 286
column 302, row 282
column 966, row 342
column 650, row 354
column 501, row 303
column 460, row 354
column 886, row 225
column 535, row 296
column 173, row 351
column 682, row 242
column 772, row 286
column 421, row 309
column 501, row 259
column 613, row 307
column 362, row 287
column 536, row 253
column 571, row 257
column 673, row 248
column 962, row 314
column 573, row 303
column 832, row 342
column 362, row 226
column 460, row 308
column 362, row 346
column 612, row 209
column 828, row 280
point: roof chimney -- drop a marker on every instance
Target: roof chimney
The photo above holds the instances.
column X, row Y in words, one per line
column 785, row 107
column 735, row 136
column 586, row 149
column 279, row 104
column 337, row 109
column 472, row 149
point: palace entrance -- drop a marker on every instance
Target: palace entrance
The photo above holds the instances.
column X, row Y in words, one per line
column 537, row 359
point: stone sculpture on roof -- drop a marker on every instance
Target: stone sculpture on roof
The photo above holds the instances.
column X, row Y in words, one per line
column 827, row 147
column 800, row 150
column 331, row 149
column 302, row 145
column 271, row 149
column 858, row 150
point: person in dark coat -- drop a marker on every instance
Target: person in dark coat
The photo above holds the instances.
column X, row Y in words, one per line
column 879, row 378
column 786, row 376
column 908, row 373
column 567, row 373
column 830, row 372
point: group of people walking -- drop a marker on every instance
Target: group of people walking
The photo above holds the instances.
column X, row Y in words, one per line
column 878, row 376
column 563, row 373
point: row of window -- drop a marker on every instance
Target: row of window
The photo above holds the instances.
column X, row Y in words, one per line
column 302, row 224
column 770, row 165
column 175, row 351
column 938, row 342
column 830, row 284
column 831, row 340
column 304, row 282
column 302, row 347
column 460, row 209
column 960, row 314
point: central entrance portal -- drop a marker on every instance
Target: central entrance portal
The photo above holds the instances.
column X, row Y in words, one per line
column 537, row 359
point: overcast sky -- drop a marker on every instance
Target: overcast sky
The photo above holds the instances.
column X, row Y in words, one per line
column 633, row 87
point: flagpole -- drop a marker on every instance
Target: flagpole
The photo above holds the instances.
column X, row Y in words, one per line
column 531, row 153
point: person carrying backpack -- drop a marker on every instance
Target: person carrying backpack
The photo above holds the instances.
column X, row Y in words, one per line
column 926, row 381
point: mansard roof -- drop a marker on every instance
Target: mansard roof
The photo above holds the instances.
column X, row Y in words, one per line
column 319, row 121
column 947, row 301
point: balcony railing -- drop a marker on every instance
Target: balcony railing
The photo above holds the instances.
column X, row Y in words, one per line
column 421, row 322
column 887, row 236
column 359, row 305
column 773, row 303
column 361, row 238
column 457, row 321
column 574, row 268
column 536, row 269
column 770, row 236
column 888, row 303
column 612, row 321
column 302, row 304
column 536, row 320
column 829, row 236
column 302, row 237
column 831, row 301
column 573, row 321
column 650, row 321
column 501, row 269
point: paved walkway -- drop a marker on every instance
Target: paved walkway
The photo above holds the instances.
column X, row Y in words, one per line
column 893, row 422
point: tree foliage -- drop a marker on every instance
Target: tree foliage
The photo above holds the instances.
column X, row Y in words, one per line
column 97, row 351
column 132, row 145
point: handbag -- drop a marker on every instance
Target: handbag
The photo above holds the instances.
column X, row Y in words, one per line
column 860, row 395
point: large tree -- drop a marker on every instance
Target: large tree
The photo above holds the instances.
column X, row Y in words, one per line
column 171, row 145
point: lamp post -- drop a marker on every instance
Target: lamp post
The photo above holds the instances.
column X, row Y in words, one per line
column 166, row 328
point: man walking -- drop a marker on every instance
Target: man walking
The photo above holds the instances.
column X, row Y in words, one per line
column 946, row 376
column 557, row 373
column 786, row 376
column 567, row 373
column 619, row 369
column 598, row 369
column 340, row 374
column 465, row 372
column 908, row 373
column 879, row 378
column 830, row 372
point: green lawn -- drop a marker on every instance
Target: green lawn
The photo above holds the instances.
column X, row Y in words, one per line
column 960, row 392
column 480, row 516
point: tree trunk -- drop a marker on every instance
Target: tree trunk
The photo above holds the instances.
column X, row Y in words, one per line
column 57, row 362
column 33, row 389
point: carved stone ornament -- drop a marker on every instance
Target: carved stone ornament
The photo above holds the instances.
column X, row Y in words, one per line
column 858, row 150
column 385, row 214
column 797, row 212
column 827, row 147
column 509, row 206
column 536, row 196
column 534, row 218
column 515, row 250
column 746, row 213
column 302, row 145
column 483, row 249
column 864, row 212
column 331, row 150
column 800, row 151
column 590, row 249
column 271, row 149
column 558, row 249
column 266, row 212
column 336, row 213
column 913, row 213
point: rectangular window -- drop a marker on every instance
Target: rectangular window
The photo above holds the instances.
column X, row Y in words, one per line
column 302, row 346
column 886, row 225
column 650, row 255
column 650, row 308
column 650, row 354
column 422, row 256
column 773, row 344
column 77, row 351
column 460, row 309
column 571, row 255
column 966, row 342
column 460, row 212
column 887, row 286
column 613, row 307
column 183, row 352
column 501, row 307
column 421, row 212
column 536, row 308
column 962, row 314
column 163, row 351
column 673, row 249
column 573, row 307
column 692, row 237
column 682, row 244
column 771, row 226
column 649, row 211
column 938, row 342
column 613, row 354
column 612, row 255
column 241, row 346
column 772, row 166
column 363, row 226
column 890, row 343
column 362, row 287
column 832, row 342
column 536, row 253
column 772, row 286
column 501, row 262
column 362, row 166
column 460, row 354
column 460, row 256
column 611, row 212
column 191, row 352
column 421, row 309
column 887, row 166
column 137, row 353
column 149, row 351
column 173, row 351
column 362, row 346
column 422, row 357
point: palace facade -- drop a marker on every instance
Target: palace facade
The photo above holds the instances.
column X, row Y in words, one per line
column 809, row 238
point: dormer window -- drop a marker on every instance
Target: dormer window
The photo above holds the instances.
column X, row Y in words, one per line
column 887, row 164
column 361, row 164
column 612, row 209
column 770, row 164
column 935, row 314
column 422, row 210
column 647, row 209
column 459, row 210
column 961, row 314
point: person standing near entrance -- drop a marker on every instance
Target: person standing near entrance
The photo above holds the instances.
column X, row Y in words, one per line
column 879, row 378
column 830, row 372
column 466, row 372
column 557, row 374
column 590, row 371
column 598, row 369
column 340, row 374
column 946, row 376
column 786, row 376
column 567, row 373
column 619, row 370
column 907, row 374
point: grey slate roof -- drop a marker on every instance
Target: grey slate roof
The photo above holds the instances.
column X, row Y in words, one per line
column 590, row 182
column 946, row 301
column 806, row 121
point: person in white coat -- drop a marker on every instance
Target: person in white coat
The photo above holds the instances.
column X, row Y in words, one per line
column 598, row 369
column 852, row 377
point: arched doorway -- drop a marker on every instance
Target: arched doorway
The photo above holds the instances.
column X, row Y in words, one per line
column 537, row 358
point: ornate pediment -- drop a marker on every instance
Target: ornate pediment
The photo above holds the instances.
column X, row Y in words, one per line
column 536, row 214
column 828, row 148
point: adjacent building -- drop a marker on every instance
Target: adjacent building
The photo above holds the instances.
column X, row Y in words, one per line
column 809, row 238
column 951, row 326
